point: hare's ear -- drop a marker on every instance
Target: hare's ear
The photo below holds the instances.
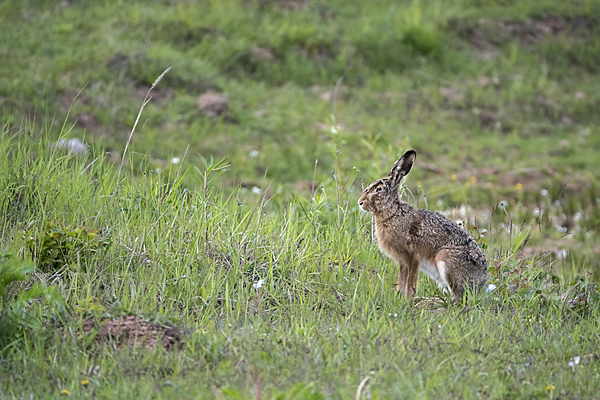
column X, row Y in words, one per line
column 401, row 167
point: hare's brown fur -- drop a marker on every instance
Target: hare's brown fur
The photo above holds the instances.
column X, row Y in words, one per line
column 421, row 239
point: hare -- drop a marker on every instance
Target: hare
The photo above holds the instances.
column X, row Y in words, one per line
column 421, row 239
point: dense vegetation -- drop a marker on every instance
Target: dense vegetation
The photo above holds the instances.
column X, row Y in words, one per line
column 224, row 255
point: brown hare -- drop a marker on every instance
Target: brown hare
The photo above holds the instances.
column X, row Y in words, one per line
column 421, row 239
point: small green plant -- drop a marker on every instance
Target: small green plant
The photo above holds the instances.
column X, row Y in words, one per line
column 57, row 246
column 11, row 270
column 15, row 301
column 90, row 307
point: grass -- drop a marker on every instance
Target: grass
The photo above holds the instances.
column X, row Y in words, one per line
column 274, row 281
column 289, row 299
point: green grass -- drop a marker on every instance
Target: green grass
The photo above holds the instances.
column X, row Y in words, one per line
column 498, row 115
column 324, row 319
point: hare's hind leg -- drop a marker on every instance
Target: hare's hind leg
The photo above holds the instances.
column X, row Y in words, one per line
column 402, row 276
column 452, row 272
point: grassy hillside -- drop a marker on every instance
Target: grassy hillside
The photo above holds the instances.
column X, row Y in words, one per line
column 231, row 246
column 471, row 85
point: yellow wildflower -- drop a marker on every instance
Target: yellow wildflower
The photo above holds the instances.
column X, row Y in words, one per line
column 549, row 388
column 453, row 177
column 473, row 179
column 85, row 382
column 65, row 392
column 519, row 186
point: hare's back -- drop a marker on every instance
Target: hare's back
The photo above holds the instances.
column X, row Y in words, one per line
column 444, row 232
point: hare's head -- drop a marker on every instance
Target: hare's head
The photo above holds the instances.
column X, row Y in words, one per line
column 382, row 193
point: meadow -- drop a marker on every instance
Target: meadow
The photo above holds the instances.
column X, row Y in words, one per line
column 224, row 256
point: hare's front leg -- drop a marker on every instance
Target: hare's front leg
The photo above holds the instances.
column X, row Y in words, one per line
column 413, row 277
column 402, row 276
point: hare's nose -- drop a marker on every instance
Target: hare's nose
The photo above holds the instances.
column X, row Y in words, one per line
column 360, row 203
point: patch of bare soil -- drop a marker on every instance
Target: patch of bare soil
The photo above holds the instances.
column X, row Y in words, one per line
column 70, row 96
column 286, row 4
column 477, row 37
column 158, row 95
column 118, row 63
column 524, row 176
column 87, row 120
column 487, row 35
column 91, row 123
column 132, row 331
column 531, row 30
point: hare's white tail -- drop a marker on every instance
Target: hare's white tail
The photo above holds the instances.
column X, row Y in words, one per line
column 490, row 288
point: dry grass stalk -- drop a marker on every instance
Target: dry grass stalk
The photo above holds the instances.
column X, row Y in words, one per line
column 147, row 99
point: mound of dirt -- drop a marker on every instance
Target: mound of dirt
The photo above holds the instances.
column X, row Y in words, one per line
column 132, row 331
column 213, row 104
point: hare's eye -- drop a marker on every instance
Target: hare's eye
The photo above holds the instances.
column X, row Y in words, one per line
column 378, row 190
